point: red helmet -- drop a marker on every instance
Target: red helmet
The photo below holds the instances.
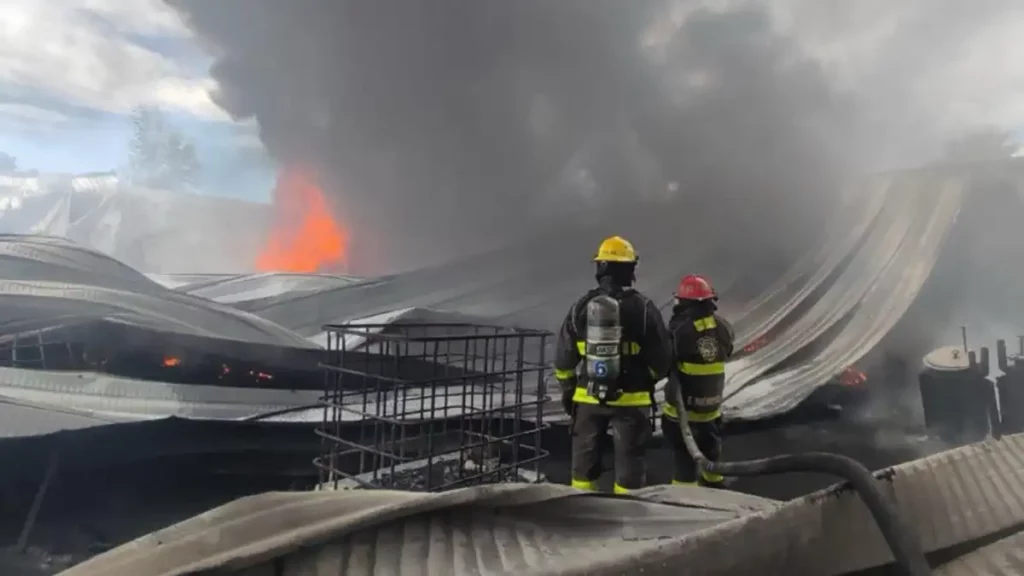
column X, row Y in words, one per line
column 695, row 287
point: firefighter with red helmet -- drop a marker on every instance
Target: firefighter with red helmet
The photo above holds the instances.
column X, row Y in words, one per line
column 611, row 350
column 701, row 341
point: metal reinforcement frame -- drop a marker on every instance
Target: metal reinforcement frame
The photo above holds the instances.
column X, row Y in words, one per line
column 431, row 406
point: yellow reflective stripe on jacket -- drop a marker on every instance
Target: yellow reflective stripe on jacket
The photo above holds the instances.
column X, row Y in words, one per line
column 628, row 348
column 627, row 398
column 670, row 412
column 706, row 323
column 619, row 489
column 564, row 374
column 695, row 369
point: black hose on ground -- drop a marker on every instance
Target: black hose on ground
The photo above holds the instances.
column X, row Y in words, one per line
column 898, row 534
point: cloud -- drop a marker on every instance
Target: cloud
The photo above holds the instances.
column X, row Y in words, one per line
column 24, row 114
column 920, row 70
column 956, row 64
column 98, row 54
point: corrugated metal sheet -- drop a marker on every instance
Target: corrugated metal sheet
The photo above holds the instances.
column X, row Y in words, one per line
column 238, row 289
column 49, row 281
column 19, row 419
column 123, row 399
column 517, row 521
column 877, row 287
column 1003, row 558
column 953, row 498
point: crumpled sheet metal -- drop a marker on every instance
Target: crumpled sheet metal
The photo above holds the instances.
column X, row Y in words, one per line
column 19, row 419
column 238, row 289
column 889, row 226
column 103, row 397
column 483, row 530
column 883, row 294
column 855, row 215
column 75, row 400
column 49, row 280
column 954, row 498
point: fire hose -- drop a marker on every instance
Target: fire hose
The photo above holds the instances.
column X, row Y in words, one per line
column 899, row 535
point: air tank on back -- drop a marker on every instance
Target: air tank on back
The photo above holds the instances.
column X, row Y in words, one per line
column 603, row 346
column 1010, row 387
column 956, row 394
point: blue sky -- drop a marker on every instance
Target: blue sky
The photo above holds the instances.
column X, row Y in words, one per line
column 72, row 70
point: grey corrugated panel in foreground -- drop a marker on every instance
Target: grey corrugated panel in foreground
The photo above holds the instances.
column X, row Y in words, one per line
column 516, row 526
column 1003, row 558
column 953, row 498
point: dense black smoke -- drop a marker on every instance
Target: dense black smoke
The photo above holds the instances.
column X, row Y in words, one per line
column 442, row 126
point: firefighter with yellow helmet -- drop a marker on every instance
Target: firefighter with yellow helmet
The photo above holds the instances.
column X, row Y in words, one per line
column 702, row 341
column 612, row 348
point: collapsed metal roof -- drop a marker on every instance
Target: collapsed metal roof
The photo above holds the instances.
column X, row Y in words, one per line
column 841, row 298
column 850, row 291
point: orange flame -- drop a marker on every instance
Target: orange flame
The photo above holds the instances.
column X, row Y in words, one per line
column 304, row 236
column 170, row 361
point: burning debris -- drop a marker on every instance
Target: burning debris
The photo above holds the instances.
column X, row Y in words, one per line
column 851, row 376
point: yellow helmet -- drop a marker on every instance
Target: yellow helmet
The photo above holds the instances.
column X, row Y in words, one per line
column 615, row 249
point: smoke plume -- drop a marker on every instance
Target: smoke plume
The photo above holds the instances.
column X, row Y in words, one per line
column 445, row 126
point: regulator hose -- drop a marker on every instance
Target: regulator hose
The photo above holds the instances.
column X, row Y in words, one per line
column 899, row 535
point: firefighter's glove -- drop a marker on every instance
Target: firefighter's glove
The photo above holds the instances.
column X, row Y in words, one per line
column 567, row 403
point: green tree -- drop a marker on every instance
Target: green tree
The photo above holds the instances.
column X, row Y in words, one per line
column 160, row 156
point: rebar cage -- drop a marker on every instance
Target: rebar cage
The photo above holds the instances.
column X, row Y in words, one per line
column 431, row 406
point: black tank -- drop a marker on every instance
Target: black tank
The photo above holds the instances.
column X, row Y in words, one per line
column 956, row 395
